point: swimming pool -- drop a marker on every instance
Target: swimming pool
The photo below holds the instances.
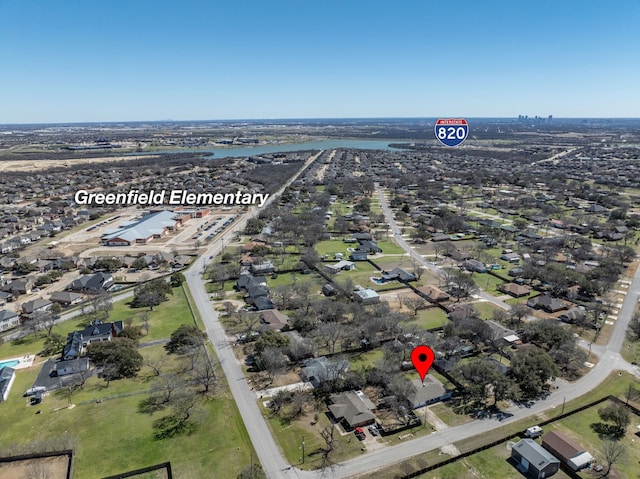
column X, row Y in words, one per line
column 12, row 364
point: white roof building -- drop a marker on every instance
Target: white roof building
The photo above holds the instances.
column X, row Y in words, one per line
column 154, row 225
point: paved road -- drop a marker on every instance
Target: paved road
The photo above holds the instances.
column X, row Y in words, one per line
column 267, row 450
column 264, row 444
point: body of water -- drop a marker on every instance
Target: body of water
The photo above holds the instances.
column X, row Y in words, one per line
column 244, row 151
column 11, row 364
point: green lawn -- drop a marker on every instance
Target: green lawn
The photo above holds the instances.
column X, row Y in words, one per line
column 365, row 360
column 488, row 282
column 429, row 318
column 485, row 309
column 631, row 351
column 448, row 416
column 113, row 428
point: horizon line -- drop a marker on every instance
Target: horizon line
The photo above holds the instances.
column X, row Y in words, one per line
column 363, row 118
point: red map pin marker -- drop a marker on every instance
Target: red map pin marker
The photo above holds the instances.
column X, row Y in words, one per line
column 422, row 358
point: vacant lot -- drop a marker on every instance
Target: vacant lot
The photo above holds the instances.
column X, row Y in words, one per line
column 55, row 467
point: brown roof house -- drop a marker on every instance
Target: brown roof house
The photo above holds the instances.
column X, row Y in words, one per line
column 435, row 295
column 274, row 319
column 515, row 290
column 570, row 453
column 352, row 409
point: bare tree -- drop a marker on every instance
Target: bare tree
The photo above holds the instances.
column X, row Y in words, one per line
column 100, row 306
column 517, row 313
column 414, row 304
column 328, row 334
column 144, row 317
column 204, row 373
column 273, row 361
column 612, row 452
column 328, row 435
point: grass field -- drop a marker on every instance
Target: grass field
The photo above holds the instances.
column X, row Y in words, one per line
column 111, row 436
column 485, row 309
column 429, row 318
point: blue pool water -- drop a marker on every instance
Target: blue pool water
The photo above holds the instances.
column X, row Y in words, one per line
column 12, row 364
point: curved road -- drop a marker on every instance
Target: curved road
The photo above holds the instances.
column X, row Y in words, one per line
column 267, row 450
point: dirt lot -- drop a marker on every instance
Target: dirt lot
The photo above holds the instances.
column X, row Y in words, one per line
column 50, row 467
column 34, row 165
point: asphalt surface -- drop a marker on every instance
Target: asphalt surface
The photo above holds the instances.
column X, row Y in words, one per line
column 267, row 450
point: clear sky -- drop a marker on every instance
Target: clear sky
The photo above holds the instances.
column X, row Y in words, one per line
column 114, row 60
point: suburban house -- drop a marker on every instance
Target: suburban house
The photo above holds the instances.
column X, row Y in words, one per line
column 255, row 286
column 65, row 298
column 7, row 377
column 358, row 255
column 18, row 287
column 36, row 305
column 369, row 246
column 340, row 266
column 72, row 366
column 319, row 370
column 515, row 290
column 510, row 257
column 398, row 274
column 546, row 303
column 428, row 392
column 352, row 409
column 5, row 297
column 8, row 319
column 77, row 341
column 566, row 450
column 434, row 294
column 266, row 267
column 366, row 296
column 262, row 303
column 92, row 283
column 573, row 315
column 502, row 336
column 274, row 319
column 461, row 255
column 534, row 460
column 474, row 265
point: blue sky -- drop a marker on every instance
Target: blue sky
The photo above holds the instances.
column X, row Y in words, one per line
column 74, row 61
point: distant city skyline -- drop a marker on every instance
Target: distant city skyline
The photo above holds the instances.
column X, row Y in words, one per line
column 75, row 61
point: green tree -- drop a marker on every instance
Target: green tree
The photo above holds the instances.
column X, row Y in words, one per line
column 118, row 358
column 531, row 368
column 139, row 263
column 184, row 338
column 53, row 344
column 616, row 413
column 151, row 294
column 177, row 279
column 271, row 339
